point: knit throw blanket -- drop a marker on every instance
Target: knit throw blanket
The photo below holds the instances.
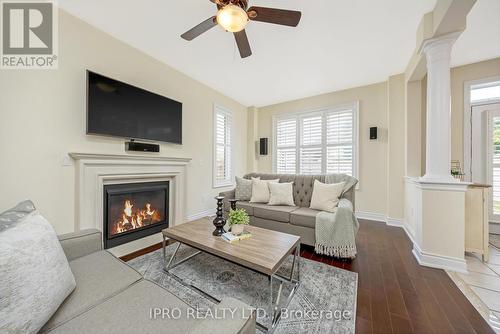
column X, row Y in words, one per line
column 336, row 231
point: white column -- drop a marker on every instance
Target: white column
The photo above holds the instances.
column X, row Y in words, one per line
column 438, row 145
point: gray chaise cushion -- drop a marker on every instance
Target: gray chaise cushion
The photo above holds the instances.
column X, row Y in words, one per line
column 35, row 276
column 130, row 312
column 278, row 213
column 304, row 217
column 99, row 276
column 240, row 322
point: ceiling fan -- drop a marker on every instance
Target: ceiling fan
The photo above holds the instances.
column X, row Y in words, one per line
column 233, row 16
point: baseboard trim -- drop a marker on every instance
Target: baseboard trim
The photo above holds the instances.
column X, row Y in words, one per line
column 371, row 216
column 409, row 233
column 494, row 228
column 201, row 214
column 395, row 222
column 439, row 261
column 379, row 217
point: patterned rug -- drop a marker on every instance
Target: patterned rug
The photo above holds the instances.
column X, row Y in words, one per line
column 495, row 240
column 325, row 302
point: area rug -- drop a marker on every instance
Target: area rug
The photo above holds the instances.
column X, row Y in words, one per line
column 495, row 240
column 325, row 301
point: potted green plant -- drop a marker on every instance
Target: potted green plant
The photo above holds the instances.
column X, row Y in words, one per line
column 237, row 220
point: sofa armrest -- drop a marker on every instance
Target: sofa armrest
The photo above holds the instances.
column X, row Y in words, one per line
column 232, row 317
column 81, row 243
column 351, row 196
column 230, row 194
column 345, row 203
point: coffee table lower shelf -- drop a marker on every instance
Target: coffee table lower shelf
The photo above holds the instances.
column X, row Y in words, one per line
column 273, row 304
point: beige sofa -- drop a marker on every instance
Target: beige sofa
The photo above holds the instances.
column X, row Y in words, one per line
column 111, row 297
column 299, row 219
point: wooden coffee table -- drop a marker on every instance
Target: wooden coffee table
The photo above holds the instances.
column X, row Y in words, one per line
column 264, row 253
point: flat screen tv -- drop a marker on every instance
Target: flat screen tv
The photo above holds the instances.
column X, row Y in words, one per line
column 118, row 109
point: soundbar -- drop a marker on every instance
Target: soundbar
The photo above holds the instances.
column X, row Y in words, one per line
column 141, row 147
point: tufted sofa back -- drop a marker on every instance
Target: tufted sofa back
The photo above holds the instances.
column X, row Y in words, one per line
column 302, row 186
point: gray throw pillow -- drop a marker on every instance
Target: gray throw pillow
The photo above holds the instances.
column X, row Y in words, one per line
column 35, row 276
column 243, row 191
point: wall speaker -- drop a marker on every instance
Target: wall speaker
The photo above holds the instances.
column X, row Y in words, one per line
column 373, row 133
column 141, row 147
column 263, row 146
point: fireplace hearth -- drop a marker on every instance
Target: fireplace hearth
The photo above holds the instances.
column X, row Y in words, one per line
column 134, row 210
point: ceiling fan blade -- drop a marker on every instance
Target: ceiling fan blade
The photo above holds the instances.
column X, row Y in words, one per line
column 200, row 29
column 273, row 15
column 243, row 44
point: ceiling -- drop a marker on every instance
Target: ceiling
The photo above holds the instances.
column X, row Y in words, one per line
column 481, row 38
column 338, row 44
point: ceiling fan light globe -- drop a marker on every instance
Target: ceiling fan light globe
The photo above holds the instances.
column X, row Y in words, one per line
column 232, row 18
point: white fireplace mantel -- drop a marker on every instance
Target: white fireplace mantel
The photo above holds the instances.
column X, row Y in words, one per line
column 129, row 157
column 94, row 170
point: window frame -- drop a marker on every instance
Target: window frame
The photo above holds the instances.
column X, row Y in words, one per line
column 299, row 115
column 229, row 181
column 467, row 116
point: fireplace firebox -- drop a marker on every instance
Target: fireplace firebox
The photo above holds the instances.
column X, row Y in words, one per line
column 134, row 210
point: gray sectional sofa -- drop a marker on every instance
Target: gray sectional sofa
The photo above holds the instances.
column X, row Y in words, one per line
column 111, row 297
column 299, row 219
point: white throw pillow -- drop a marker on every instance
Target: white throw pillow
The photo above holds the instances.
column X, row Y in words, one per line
column 325, row 197
column 260, row 190
column 281, row 194
column 35, row 276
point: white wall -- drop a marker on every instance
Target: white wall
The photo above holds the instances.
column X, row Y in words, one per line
column 42, row 118
column 396, row 150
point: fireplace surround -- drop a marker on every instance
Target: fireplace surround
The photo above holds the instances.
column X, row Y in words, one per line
column 134, row 210
column 95, row 170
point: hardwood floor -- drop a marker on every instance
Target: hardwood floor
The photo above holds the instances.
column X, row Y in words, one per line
column 395, row 294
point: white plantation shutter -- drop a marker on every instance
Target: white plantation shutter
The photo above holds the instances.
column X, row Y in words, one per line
column 222, row 147
column 317, row 142
column 339, row 142
column 286, row 146
column 311, row 148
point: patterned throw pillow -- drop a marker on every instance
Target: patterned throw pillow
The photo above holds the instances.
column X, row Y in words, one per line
column 281, row 194
column 243, row 191
column 35, row 276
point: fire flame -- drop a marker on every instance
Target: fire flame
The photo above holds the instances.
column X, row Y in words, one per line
column 133, row 219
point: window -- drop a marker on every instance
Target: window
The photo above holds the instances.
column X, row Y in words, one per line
column 286, row 143
column 311, row 144
column 223, row 162
column 317, row 142
column 482, row 93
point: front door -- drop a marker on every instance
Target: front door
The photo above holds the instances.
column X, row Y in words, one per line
column 493, row 160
